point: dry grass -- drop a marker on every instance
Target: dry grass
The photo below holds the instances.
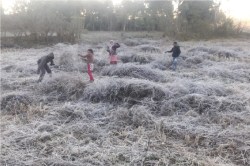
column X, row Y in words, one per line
column 134, row 113
column 135, row 71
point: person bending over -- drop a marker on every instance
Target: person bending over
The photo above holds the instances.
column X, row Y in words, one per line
column 43, row 65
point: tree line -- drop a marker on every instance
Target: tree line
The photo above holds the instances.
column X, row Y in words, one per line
column 66, row 20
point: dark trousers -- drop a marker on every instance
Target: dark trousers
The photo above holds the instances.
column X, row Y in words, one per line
column 42, row 72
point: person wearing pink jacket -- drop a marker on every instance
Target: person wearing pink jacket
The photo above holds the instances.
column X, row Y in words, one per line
column 112, row 52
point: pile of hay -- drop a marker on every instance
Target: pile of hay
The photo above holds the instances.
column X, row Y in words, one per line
column 135, row 117
column 226, row 74
column 62, row 87
column 151, row 49
column 201, row 104
column 15, row 103
column 214, row 51
column 162, row 64
column 135, row 71
column 134, row 42
column 123, row 90
column 142, row 59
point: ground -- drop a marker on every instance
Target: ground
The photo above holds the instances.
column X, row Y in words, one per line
column 138, row 112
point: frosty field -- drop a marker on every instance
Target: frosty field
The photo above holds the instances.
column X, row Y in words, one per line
column 136, row 113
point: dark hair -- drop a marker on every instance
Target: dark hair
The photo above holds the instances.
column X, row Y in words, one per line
column 90, row 50
column 175, row 42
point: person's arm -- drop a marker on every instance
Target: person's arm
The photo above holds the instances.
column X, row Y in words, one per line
column 51, row 62
column 82, row 56
column 170, row 50
column 117, row 45
column 108, row 49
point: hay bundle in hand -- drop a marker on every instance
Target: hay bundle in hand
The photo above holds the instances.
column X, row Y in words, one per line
column 69, row 62
column 66, row 61
column 123, row 90
column 15, row 103
column 135, row 71
column 62, row 88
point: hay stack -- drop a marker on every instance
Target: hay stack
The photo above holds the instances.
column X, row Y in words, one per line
column 135, row 71
column 15, row 103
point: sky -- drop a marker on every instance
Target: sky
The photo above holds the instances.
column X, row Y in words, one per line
column 238, row 9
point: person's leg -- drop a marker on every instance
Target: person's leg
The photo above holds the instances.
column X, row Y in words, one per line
column 91, row 78
column 42, row 73
column 174, row 63
column 113, row 59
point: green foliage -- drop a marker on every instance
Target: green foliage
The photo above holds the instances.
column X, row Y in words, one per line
column 199, row 19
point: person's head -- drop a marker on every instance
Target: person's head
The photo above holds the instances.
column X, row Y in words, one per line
column 51, row 55
column 175, row 43
column 90, row 51
column 111, row 42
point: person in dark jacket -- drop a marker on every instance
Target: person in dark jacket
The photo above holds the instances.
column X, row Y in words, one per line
column 176, row 51
column 112, row 51
column 43, row 66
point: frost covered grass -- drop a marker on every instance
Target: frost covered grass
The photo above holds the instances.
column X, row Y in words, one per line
column 134, row 71
column 138, row 112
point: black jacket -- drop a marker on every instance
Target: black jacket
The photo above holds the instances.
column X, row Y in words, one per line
column 112, row 51
column 42, row 62
column 176, row 51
